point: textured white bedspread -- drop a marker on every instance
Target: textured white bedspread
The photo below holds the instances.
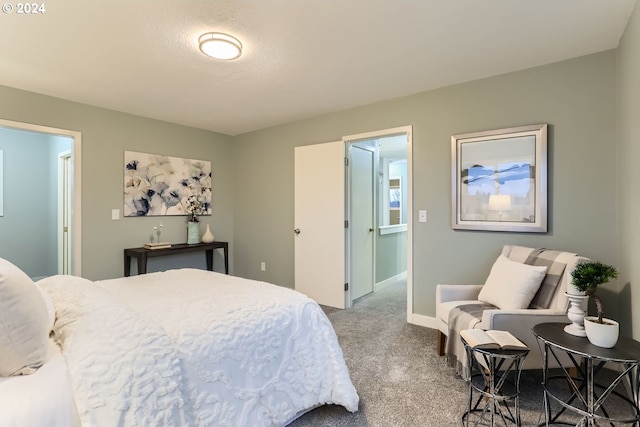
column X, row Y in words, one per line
column 196, row 348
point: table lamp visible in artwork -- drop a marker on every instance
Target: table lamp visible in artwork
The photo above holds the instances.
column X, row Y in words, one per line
column 208, row 236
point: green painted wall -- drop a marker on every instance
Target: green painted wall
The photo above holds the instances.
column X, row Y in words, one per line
column 106, row 135
column 628, row 112
column 253, row 173
column 576, row 98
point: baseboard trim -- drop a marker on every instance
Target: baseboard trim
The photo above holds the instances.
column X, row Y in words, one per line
column 390, row 281
column 422, row 320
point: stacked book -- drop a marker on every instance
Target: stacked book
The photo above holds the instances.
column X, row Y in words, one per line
column 159, row 245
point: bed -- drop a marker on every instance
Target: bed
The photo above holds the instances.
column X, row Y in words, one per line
column 178, row 348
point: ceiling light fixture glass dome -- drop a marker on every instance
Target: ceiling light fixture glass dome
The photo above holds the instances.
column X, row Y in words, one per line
column 220, row 46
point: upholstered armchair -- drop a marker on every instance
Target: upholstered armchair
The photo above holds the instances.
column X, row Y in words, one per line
column 526, row 286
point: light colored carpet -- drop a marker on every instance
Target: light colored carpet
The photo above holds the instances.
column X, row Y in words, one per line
column 400, row 379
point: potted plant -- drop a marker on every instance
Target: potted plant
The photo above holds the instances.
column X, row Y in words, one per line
column 586, row 277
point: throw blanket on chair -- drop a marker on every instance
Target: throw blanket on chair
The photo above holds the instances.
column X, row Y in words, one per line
column 460, row 318
column 555, row 269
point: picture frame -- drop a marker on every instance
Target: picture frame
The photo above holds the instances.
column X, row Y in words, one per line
column 499, row 180
column 160, row 185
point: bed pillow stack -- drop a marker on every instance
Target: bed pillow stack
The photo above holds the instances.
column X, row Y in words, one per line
column 24, row 322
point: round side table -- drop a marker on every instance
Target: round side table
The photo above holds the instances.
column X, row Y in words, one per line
column 495, row 380
column 591, row 391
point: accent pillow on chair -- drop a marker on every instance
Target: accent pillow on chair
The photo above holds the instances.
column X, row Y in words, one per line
column 511, row 285
column 24, row 322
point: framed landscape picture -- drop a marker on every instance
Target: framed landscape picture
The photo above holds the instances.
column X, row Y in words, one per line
column 499, row 180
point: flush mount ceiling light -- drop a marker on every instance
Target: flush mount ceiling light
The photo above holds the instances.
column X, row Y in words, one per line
column 220, row 46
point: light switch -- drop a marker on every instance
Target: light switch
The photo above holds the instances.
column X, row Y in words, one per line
column 115, row 213
column 422, row 216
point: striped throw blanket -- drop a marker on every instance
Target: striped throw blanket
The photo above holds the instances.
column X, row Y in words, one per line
column 555, row 269
column 462, row 317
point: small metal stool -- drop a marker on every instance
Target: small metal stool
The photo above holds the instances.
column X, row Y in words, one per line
column 489, row 372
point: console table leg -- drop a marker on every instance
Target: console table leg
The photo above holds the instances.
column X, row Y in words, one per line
column 142, row 264
column 127, row 266
column 209, row 255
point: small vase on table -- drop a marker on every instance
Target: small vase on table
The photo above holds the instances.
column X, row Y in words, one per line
column 193, row 232
column 208, row 236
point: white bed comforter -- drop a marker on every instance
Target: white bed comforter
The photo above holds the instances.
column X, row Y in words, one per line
column 195, row 348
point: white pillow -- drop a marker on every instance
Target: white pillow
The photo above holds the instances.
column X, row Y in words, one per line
column 51, row 311
column 511, row 285
column 24, row 322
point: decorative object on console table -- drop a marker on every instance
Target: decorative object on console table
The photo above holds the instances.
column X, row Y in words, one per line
column 193, row 232
column 586, row 277
column 159, row 245
column 154, row 239
column 208, row 236
column 193, row 207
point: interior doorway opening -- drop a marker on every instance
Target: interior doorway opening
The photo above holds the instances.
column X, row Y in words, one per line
column 390, row 232
column 55, row 143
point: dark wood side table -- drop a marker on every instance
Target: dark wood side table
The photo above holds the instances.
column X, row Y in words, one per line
column 590, row 391
column 142, row 254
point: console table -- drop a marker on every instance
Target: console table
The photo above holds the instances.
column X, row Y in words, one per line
column 590, row 391
column 142, row 254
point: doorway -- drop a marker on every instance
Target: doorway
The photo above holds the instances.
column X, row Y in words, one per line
column 384, row 258
column 322, row 244
column 53, row 139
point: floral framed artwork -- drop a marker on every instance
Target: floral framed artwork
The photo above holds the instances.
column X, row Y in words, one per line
column 499, row 180
column 155, row 185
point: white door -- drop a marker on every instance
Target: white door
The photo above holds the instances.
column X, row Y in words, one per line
column 361, row 221
column 319, row 203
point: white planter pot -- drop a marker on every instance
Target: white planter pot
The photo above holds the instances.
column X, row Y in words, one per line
column 602, row 335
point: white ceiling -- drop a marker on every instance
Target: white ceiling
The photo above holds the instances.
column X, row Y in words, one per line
column 302, row 58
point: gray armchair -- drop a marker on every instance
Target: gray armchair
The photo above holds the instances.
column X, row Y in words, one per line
column 517, row 321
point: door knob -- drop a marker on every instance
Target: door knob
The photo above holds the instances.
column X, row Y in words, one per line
column 296, row 231
column 370, row 229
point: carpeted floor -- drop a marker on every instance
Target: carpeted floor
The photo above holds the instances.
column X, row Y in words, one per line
column 399, row 377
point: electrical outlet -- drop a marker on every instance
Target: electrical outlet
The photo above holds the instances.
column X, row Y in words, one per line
column 263, row 266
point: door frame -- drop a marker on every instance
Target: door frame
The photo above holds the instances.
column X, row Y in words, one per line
column 65, row 189
column 408, row 130
column 76, row 157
